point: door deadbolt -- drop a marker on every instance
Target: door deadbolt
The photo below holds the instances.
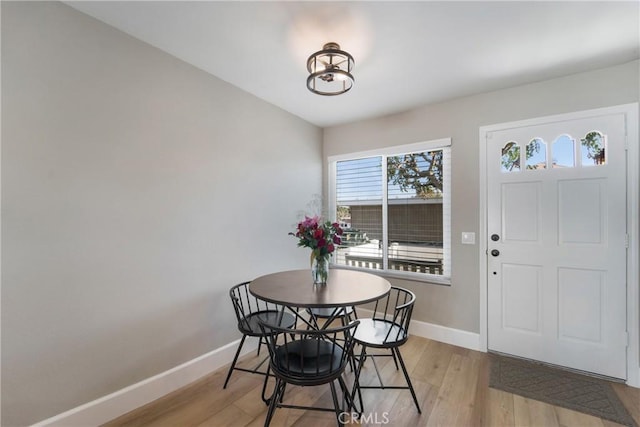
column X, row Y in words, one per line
column 495, row 237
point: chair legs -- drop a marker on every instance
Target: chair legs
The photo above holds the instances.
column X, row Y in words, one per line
column 397, row 357
column 259, row 345
column 275, row 401
column 349, row 404
column 278, row 392
column 235, row 359
column 265, row 399
column 356, row 380
column 335, row 403
column 406, row 376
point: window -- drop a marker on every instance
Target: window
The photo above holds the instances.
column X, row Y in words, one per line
column 394, row 205
column 536, row 154
column 510, row 157
column 563, row 153
column 563, row 149
column 593, row 149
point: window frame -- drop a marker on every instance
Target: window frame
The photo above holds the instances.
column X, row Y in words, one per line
column 397, row 150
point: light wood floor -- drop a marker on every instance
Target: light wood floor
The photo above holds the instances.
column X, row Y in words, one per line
column 451, row 384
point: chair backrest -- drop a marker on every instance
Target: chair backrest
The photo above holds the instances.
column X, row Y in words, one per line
column 396, row 307
column 245, row 304
column 309, row 356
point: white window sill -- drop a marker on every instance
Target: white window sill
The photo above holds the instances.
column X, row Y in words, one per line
column 404, row 275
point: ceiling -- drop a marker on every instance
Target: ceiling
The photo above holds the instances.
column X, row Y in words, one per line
column 406, row 54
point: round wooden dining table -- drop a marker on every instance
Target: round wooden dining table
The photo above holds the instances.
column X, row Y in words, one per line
column 295, row 288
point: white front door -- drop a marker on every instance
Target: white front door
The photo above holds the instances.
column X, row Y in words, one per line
column 556, row 222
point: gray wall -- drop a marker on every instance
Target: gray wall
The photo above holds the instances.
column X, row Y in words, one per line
column 457, row 306
column 136, row 190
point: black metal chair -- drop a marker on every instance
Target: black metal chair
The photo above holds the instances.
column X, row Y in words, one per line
column 345, row 314
column 309, row 357
column 327, row 315
column 249, row 311
column 388, row 328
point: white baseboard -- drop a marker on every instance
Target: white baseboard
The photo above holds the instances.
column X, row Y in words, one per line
column 129, row 398
column 446, row 335
column 634, row 380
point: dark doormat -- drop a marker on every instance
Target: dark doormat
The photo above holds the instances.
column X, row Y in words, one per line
column 569, row 390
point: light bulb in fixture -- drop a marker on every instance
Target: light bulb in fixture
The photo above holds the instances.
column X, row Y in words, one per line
column 330, row 71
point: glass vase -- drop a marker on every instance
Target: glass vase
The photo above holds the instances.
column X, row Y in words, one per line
column 320, row 270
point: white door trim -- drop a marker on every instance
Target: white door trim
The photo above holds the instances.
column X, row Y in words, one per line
column 633, row 224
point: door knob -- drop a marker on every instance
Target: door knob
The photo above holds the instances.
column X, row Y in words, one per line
column 495, row 252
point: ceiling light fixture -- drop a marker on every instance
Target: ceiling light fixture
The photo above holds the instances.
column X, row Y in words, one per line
column 330, row 70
